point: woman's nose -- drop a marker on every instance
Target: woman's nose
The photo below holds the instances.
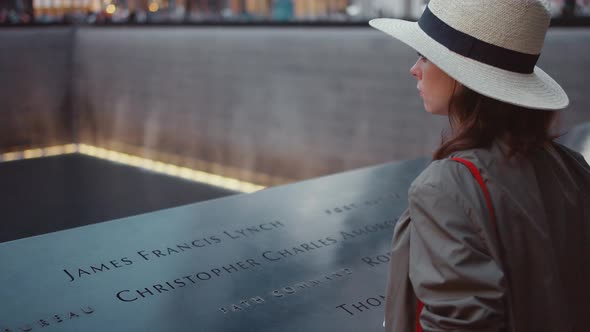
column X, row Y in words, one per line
column 415, row 70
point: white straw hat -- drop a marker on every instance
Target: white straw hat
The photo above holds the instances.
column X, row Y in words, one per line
column 490, row 46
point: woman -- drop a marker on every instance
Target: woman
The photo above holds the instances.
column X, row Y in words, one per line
column 518, row 257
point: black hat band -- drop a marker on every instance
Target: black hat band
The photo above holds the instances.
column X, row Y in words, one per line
column 474, row 48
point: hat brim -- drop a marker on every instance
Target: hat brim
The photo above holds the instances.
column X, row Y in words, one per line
column 536, row 90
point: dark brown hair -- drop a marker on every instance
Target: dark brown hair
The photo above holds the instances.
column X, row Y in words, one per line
column 476, row 121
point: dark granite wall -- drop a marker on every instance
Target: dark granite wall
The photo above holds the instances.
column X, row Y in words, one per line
column 265, row 104
column 35, row 94
column 290, row 102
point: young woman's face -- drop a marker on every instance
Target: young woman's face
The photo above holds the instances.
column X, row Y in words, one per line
column 436, row 87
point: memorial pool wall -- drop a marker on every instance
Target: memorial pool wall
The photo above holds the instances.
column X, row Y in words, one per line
column 267, row 105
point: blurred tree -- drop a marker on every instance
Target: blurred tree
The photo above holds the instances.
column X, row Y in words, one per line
column 569, row 8
column 282, row 10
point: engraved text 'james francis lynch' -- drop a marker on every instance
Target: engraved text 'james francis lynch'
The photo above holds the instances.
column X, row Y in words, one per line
column 179, row 248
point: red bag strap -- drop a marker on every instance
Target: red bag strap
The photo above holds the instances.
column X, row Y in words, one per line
column 479, row 179
column 482, row 184
column 418, row 312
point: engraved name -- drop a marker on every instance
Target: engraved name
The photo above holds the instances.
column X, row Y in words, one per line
column 175, row 249
column 51, row 320
column 367, row 304
column 286, row 291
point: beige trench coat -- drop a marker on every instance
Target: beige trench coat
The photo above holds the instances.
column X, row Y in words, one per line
column 533, row 275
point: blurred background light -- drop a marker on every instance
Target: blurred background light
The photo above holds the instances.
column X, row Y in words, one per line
column 153, row 7
column 176, row 11
column 111, row 9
